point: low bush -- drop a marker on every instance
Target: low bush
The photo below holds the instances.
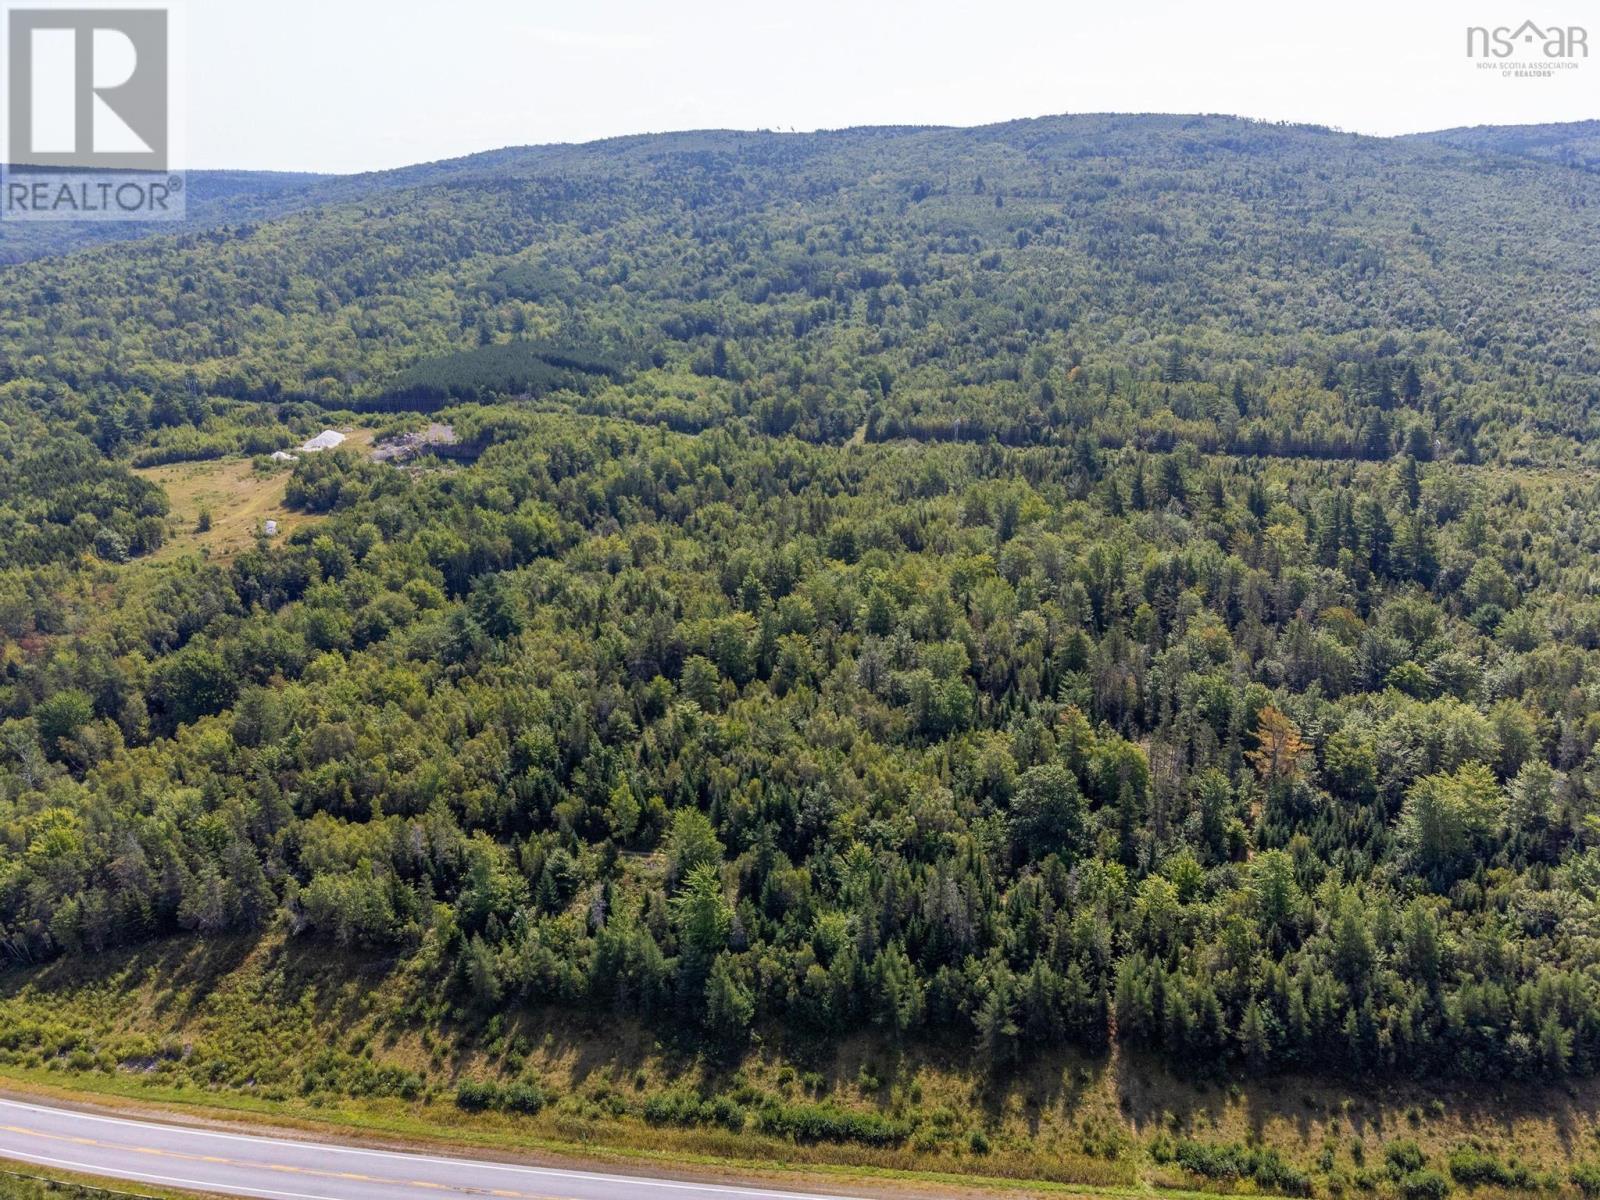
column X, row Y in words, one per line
column 475, row 1095
column 1426, row 1184
column 685, row 1108
column 825, row 1123
column 1472, row 1166
column 1404, row 1157
column 1229, row 1161
column 1586, row 1178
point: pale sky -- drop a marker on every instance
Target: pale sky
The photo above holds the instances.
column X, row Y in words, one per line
column 349, row 85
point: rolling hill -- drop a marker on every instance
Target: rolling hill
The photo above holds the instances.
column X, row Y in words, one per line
column 1067, row 649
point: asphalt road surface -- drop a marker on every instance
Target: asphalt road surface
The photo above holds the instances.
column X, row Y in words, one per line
column 183, row 1156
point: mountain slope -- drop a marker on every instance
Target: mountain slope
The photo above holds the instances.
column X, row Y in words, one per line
column 1266, row 251
column 1572, row 144
column 214, row 197
column 912, row 626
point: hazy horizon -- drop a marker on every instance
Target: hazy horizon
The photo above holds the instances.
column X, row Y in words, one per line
column 359, row 86
column 231, row 167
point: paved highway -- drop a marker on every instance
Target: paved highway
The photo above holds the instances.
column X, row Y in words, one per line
column 277, row 1168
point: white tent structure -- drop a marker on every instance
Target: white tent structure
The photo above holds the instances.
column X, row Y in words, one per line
column 326, row 440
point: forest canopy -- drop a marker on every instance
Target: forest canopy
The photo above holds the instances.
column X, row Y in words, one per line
column 1085, row 579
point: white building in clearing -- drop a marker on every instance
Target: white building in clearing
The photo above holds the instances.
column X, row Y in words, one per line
column 272, row 529
column 326, row 440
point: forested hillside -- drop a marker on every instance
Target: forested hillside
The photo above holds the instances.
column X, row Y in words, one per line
column 1088, row 580
column 210, row 197
column 1574, row 144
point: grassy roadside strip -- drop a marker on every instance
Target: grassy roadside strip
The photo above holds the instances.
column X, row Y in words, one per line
column 389, row 1133
column 24, row 1181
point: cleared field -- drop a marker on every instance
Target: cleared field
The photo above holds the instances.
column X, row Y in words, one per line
column 239, row 500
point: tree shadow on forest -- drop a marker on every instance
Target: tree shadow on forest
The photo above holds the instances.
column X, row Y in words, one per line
column 1147, row 1093
column 180, row 972
column 879, row 1070
column 1152, row 1096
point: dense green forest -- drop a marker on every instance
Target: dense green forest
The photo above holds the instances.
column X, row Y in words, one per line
column 1082, row 580
column 1573, row 144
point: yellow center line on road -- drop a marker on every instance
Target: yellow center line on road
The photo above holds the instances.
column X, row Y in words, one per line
column 268, row 1166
